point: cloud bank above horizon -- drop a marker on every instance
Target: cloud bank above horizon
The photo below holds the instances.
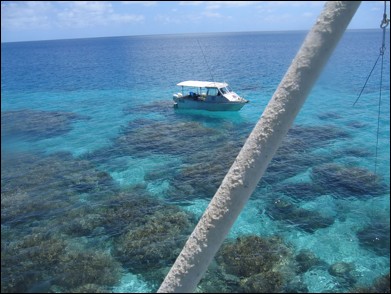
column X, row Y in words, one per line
column 46, row 20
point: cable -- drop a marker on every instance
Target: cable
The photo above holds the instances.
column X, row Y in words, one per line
column 383, row 25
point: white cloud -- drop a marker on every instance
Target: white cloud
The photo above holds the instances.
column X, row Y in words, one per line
column 84, row 14
column 30, row 14
column 191, row 3
column 125, row 18
column 285, row 12
column 167, row 19
column 228, row 4
column 282, row 4
column 145, row 3
column 62, row 14
column 212, row 14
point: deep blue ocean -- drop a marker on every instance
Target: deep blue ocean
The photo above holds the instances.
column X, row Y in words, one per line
column 102, row 180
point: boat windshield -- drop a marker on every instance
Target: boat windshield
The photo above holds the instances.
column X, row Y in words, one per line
column 225, row 90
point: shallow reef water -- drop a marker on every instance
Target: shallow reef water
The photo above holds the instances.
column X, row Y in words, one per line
column 102, row 184
column 86, row 231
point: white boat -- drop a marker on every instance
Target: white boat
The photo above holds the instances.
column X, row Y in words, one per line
column 203, row 95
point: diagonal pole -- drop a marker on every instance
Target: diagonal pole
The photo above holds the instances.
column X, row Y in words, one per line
column 260, row 147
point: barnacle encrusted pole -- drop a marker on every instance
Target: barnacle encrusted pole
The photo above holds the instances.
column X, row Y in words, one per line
column 261, row 145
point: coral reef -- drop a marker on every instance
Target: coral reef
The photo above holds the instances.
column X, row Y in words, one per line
column 311, row 137
column 88, row 288
column 81, row 268
column 43, row 200
column 306, row 260
column 155, row 242
column 216, row 280
column 299, row 191
column 307, row 220
column 67, row 226
column 130, row 208
column 294, row 155
column 348, row 181
column 376, row 237
column 36, row 186
column 202, row 173
column 357, row 152
column 344, row 273
column 265, row 282
column 26, row 263
column 36, row 124
column 43, row 262
column 380, row 285
column 263, row 265
column 83, row 221
column 329, row 115
column 165, row 138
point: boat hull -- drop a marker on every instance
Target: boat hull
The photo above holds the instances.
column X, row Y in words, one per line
column 206, row 105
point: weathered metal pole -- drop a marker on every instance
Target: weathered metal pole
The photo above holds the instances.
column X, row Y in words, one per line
column 260, row 147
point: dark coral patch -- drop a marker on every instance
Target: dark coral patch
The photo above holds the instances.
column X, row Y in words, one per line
column 316, row 136
column 26, row 262
column 35, row 186
column 156, row 137
column 131, row 208
column 263, row 265
column 159, row 239
column 348, row 181
column 251, row 255
column 309, row 221
column 300, row 191
column 36, row 124
column 269, row 282
column 376, row 237
column 344, row 272
column 329, row 115
column 307, row 260
column 380, row 285
column 82, row 268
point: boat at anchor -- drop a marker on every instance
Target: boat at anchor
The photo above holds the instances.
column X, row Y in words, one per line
column 212, row 96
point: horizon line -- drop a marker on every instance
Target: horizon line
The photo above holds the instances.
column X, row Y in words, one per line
column 171, row 34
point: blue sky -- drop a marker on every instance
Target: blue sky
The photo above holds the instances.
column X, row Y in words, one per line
column 47, row 20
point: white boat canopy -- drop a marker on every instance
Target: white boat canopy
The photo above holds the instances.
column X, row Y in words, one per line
column 202, row 84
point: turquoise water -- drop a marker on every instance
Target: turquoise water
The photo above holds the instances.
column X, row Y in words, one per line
column 102, row 180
